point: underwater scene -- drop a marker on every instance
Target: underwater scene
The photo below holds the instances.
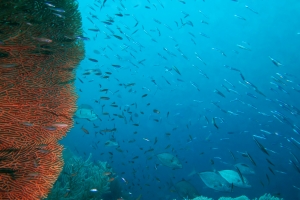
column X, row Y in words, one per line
column 190, row 98
column 160, row 99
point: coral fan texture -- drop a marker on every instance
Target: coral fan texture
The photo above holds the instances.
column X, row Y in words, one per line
column 37, row 99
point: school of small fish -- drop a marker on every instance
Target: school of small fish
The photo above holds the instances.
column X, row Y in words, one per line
column 184, row 84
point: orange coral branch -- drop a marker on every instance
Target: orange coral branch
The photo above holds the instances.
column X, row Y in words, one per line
column 35, row 93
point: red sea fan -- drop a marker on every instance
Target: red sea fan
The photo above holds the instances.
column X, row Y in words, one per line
column 37, row 100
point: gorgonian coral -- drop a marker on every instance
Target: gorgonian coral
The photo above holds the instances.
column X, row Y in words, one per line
column 38, row 55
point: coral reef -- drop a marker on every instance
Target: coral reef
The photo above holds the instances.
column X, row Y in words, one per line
column 38, row 55
column 202, row 198
column 237, row 198
column 264, row 197
column 81, row 180
column 115, row 191
column 268, row 197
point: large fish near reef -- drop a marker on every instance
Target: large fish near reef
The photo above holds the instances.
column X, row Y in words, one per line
column 232, row 177
column 86, row 112
column 111, row 143
column 169, row 160
column 215, row 181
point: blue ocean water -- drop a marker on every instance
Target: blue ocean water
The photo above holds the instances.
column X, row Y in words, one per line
column 181, row 54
